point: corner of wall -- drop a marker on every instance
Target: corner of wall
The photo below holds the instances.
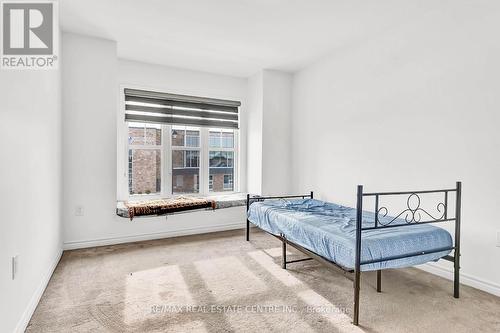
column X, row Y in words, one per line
column 254, row 133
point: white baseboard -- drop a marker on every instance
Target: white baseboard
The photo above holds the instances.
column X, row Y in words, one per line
column 72, row 245
column 466, row 279
column 37, row 295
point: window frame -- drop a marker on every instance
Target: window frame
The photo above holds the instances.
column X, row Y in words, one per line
column 166, row 164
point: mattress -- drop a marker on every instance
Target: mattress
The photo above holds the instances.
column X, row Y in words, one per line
column 329, row 230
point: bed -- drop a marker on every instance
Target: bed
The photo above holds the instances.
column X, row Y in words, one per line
column 354, row 240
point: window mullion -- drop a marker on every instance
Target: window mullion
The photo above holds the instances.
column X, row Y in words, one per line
column 236, row 164
column 204, row 161
column 167, row 134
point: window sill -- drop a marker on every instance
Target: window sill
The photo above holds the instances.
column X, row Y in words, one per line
column 221, row 201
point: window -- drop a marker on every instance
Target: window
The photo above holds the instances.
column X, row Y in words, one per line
column 211, row 183
column 177, row 144
column 228, row 182
column 144, row 158
column 221, row 159
column 221, row 139
column 165, row 160
column 185, row 159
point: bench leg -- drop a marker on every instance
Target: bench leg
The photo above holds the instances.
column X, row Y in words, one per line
column 379, row 281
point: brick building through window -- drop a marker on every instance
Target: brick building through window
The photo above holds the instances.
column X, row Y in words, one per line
column 147, row 152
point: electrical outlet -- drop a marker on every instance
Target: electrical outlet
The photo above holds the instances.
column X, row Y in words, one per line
column 79, row 211
column 14, row 267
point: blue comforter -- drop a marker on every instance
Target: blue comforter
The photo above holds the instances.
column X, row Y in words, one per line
column 329, row 230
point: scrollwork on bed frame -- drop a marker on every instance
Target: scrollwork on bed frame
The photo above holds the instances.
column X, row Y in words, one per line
column 413, row 212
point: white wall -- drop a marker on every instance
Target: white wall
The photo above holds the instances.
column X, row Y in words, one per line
column 30, row 190
column 414, row 108
column 254, row 117
column 92, row 75
column 276, row 132
column 269, row 127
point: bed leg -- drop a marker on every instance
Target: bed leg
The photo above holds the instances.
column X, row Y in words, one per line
column 357, row 278
column 379, row 280
column 283, row 251
column 248, row 222
column 456, row 255
column 357, row 263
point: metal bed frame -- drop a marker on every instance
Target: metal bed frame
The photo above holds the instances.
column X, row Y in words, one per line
column 412, row 215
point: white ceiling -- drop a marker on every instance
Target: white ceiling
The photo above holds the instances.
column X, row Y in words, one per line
column 235, row 37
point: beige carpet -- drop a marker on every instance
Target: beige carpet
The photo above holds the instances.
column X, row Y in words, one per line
column 220, row 283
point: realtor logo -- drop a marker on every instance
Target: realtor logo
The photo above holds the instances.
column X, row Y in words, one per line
column 29, row 31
